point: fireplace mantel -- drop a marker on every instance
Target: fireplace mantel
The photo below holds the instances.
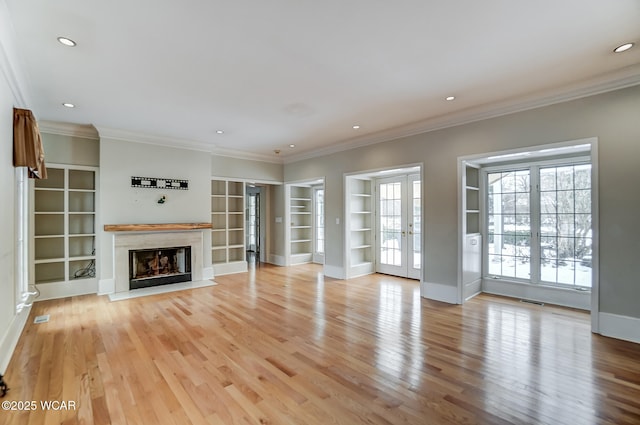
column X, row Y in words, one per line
column 161, row 227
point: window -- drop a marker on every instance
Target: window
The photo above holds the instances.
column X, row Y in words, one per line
column 538, row 223
column 319, row 220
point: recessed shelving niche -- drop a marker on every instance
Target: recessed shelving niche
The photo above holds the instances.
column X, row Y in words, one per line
column 64, row 231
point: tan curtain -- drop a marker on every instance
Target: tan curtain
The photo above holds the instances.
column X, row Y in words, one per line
column 27, row 144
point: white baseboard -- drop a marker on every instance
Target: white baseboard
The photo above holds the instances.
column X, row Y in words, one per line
column 230, row 268
column 55, row 290
column 439, row 292
column 277, row 260
column 472, row 289
column 10, row 339
column 334, row 272
column 207, row 273
column 620, row 327
column 106, row 286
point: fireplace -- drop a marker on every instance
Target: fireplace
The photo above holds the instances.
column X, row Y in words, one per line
column 126, row 240
column 159, row 266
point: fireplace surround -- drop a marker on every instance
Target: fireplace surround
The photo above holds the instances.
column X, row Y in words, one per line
column 125, row 241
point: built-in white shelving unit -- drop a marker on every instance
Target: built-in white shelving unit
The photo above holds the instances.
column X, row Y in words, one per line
column 472, row 239
column 228, row 253
column 300, row 224
column 63, row 231
column 360, row 216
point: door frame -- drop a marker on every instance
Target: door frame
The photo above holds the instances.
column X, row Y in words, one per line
column 406, row 268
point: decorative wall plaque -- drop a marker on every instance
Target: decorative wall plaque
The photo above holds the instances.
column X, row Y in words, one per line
column 159, row 183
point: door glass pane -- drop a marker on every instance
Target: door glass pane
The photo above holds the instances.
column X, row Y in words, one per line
column 416, row 224
column 390, row 224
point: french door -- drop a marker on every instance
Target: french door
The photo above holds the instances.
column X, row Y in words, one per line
column 398, row 244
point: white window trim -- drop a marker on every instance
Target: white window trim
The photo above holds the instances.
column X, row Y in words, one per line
column 592, row 142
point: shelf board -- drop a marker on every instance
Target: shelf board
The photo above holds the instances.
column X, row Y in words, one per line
column 366, row 229
column 236, row 228
column 300, row 240
column 49, row 212
column 301, row 227
column 237, row 246
column 360, row 212
column 473, row 211
column 48, row 260
column 472, row 188
column 46, row 281
column 80, row 235
column 361, row 247
column 50, row 189
column 82, row 257
column 236, row 196
column 218, row 247
column 362, row 195
column 48, row 236
column 300, row 212
column 301, row 199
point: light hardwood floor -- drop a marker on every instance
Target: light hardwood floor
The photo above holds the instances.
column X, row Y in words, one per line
column 288, row 346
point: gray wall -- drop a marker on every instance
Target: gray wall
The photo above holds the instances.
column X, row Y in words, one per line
column 612, row 117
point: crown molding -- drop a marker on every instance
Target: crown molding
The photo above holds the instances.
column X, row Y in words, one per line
column 250, row 156
column 620, row 79
column 134, row 137
column 68, row 129
column 9, row 63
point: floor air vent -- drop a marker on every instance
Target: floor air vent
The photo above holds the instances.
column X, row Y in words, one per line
column 532, row 302
column 41, row 319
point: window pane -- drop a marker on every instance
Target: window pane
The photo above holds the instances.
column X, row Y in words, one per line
column 565, row 202
column 522, row 203
column 583, row 176
column 583, row 201
column 564, row 178
column 566, row 272
column 548, row 179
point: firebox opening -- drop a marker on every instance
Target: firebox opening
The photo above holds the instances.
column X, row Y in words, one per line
column 159, row 266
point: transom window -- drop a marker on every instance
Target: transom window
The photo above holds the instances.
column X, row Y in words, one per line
column 538, row 223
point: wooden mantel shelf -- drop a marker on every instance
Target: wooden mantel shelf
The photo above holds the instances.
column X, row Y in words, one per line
column 163, row 227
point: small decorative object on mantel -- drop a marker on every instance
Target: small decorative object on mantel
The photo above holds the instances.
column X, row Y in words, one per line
column 159, row 183
column 162, row 199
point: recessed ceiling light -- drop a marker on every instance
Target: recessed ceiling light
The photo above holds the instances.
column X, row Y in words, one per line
column 292, row 145
column 450, row 98
column 68, row 105
column 623, row 48
column 219, row 131
column 67, row 41
column 355, row 127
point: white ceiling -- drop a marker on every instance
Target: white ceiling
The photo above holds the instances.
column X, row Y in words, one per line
column 281, row 72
